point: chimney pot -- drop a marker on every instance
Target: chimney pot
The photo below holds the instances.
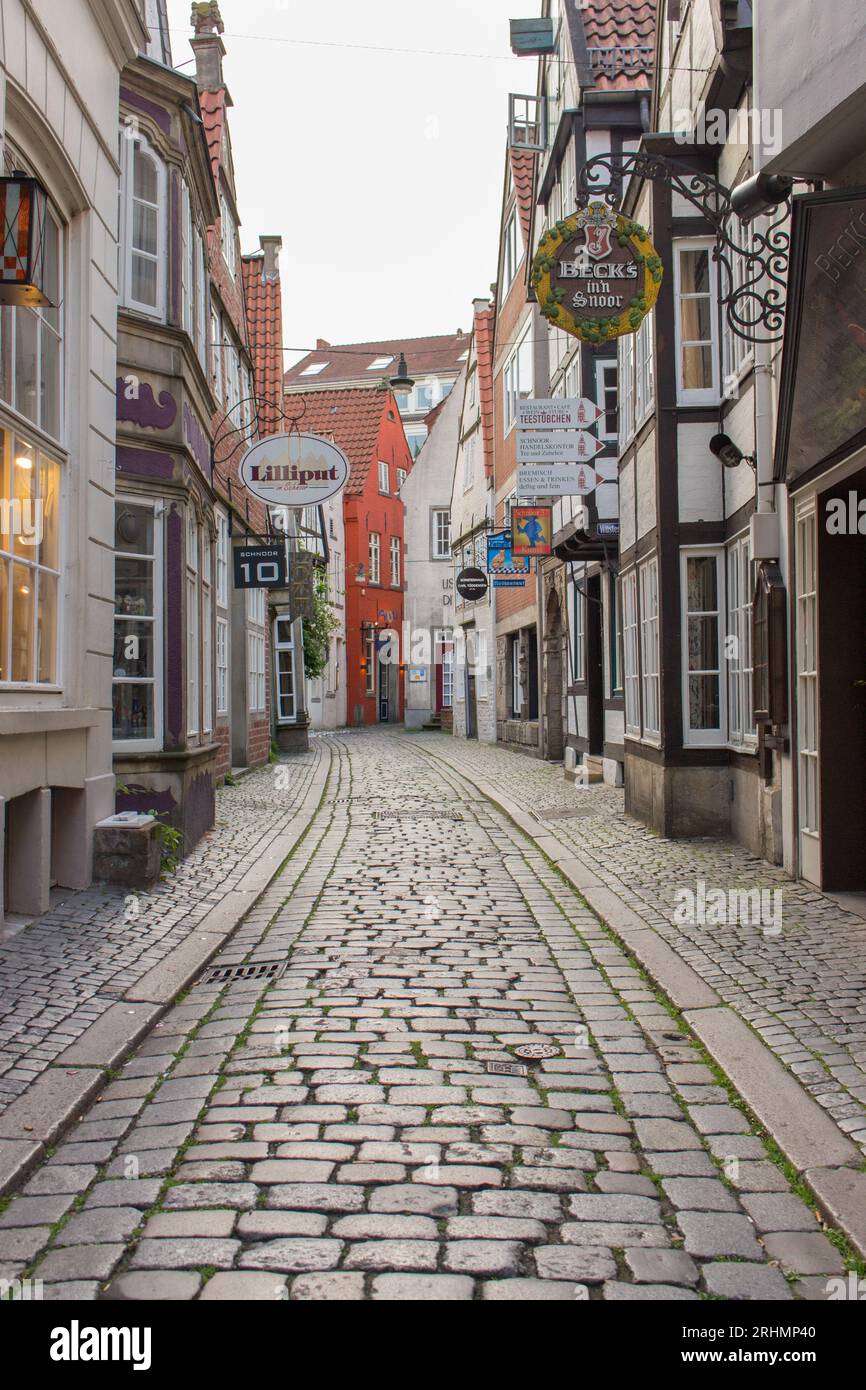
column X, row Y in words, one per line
column 271, row 245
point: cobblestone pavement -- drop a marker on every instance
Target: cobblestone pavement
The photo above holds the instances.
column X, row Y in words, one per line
column 63, row 972
column 803, row 990
column 360, row 1126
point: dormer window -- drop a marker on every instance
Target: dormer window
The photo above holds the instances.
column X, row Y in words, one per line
column 314, row 368
column 380, row 363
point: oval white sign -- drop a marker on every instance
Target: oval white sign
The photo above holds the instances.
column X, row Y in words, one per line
column 294, row 470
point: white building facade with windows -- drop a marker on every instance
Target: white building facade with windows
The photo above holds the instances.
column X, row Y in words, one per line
column 58, row 121
column 429, row 602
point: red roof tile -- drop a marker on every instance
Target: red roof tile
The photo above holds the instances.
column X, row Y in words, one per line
column 264, row 311
column 350, row 361
column 523, row 168
column 621, row 24
column 485, row 320
column 213, row 113
column 354, row 418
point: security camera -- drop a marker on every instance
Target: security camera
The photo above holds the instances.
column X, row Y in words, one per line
column 761, row 193
column 727, row 451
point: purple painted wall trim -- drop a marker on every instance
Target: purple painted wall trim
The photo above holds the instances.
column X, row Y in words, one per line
column 197, row 440
column 174, row 653
column 144, row 463
column 150, row 108
column 175, row 250
column 144, row 410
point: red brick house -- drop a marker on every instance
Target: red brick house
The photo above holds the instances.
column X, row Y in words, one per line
column 366, row 425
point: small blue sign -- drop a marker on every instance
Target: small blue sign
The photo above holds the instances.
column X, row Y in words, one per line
column 500, row 559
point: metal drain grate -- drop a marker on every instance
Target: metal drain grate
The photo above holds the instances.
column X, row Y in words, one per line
column 506, row 1069
column 258, row 970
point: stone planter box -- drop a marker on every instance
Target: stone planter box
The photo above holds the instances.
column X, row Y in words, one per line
column 127, row 850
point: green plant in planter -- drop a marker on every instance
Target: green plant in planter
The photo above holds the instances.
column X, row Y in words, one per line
column 170, row 844
column 319, row 629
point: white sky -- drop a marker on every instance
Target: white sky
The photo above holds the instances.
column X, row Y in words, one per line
column 386, row 166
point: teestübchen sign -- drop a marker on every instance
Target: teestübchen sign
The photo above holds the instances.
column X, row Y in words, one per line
column 571, row 413
column 596, row 274
column 294, row 470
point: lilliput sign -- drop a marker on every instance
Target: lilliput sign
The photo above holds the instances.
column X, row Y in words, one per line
column 294, row 470
column 596, row 274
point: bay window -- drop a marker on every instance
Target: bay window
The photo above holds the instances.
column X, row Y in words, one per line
column 630, row 654
column 704, row 713
column 29, row 561
column 517, row 379
column 696, row 335
column 31, row 348
column 649, row 647
column 192, row 625
column 284, row 650
column 137, row 661
column 626, row 349
column 738, row 644
column 143, row 229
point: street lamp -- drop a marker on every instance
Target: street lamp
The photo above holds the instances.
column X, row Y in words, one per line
column 23, row 225
column 728, row 452
column 402, row 381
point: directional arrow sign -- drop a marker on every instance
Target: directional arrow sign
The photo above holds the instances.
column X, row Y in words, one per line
column 576, row 412
column 557, row 480
column 557, row 446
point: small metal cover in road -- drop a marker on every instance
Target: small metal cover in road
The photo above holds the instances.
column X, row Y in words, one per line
column 257, row 970
column 536, row 1052
column 506, row 1068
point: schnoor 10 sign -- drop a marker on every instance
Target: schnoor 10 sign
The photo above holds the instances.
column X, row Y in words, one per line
column 294, row 470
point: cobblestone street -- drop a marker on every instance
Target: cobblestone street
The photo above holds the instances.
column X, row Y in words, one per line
column 354, row 1119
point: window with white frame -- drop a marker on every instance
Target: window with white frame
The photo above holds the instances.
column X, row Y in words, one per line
column 696, row 335
column 441, row 519
column 233, row 380
column 401, row 477
column 31, row 348
column 614, row 663
column 284, row 653
column 702, row 621
column 314, row 368
column 222, row 560
column 443, row 654
column 649, row 646
column 644, row 388
column 631, row 660
column 216, row 352
column 201, row 299
column 207, row 632
column 374, row 554
column 396, row 566
column 512, row 253
column 738, row 643
column 473, row 388
column 468, row 462
column 384, row 477
column 193, row 655
column 222, row 665
column 579, row 672
column 517, row 379
column 137, row 659
column 30, row 592
column 626, row 352
column 256, row 672
column 188, row 264
column 380, row 363
column 369, row 662
column 736, row 351
column 229, row 233
column 607, row 397
column 143, row 239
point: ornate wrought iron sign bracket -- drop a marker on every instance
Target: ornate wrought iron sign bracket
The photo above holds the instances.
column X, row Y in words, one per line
column 754, row 266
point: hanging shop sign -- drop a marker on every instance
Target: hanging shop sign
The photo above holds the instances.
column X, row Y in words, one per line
column 557, row 446
column 509, row 583
column 531, row 530
column 596, row 274
column 472, row 584
column 260, row 567
column 294, row 470
column 551, row 480
column 569, row 414
column 500, row 557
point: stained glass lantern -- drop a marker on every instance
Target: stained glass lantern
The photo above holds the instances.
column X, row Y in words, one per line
column 23, row 217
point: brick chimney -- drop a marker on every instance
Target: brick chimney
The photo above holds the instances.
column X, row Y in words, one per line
column 321, row 344
column 271, row 246
column 207, row 45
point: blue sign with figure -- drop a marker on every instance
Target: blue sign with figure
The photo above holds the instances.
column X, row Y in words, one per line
column 500, row 559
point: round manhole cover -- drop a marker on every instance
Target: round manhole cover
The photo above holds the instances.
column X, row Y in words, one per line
column 536, row 1052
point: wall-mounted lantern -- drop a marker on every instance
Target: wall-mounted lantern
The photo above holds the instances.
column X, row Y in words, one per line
column 23, row 219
